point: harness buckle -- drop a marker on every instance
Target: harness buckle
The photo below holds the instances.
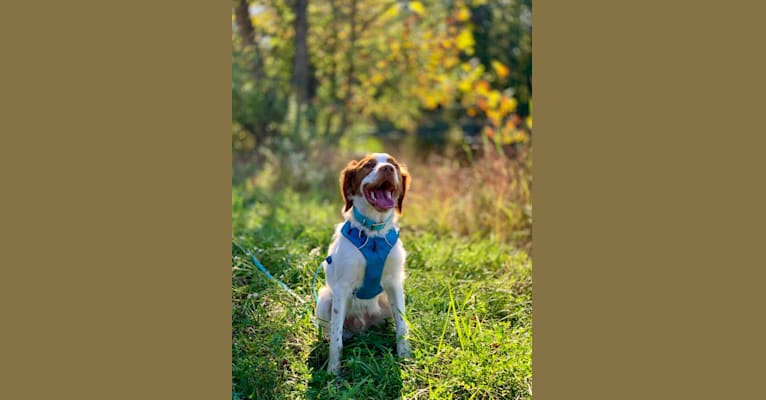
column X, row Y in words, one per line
column 379, row 224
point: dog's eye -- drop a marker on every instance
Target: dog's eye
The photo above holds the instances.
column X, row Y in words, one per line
column 368, row 165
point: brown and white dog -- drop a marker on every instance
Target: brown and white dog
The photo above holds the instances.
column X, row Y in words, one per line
column 365, row 267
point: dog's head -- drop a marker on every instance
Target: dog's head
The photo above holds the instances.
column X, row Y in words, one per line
column 377, row 179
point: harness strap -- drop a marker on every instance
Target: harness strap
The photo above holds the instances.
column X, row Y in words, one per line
column 375, row 251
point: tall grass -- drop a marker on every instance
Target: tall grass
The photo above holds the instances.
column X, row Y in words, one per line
column 490, row 196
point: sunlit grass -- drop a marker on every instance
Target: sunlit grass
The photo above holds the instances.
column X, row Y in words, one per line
column 468, row 290
column 489, row 197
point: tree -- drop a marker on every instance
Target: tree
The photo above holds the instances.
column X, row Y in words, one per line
column 259, row 101
column 364, row 65
column 301, row 63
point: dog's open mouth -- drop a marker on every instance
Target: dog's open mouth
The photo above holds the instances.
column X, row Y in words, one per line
column 381, row 195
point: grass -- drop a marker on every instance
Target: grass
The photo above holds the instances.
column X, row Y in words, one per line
column 468, row 291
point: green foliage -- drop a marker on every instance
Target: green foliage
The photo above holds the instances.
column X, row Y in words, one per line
column 421, row 67
column 503, row 33
column 259, row 106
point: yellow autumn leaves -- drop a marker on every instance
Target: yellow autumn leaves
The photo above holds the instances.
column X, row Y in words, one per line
column 413, row 6
column 498, row 107
column 501, row 70
column 445, row 79
column 462, row 14
column 465, row 42
column 422, row 62
column 417, row 8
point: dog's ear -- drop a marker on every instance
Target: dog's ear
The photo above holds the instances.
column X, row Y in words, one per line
column 348, row 184
column 405, row 185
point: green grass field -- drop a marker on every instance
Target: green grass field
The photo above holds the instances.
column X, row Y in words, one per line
column 469, row 305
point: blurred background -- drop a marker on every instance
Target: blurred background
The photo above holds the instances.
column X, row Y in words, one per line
column 444, row 86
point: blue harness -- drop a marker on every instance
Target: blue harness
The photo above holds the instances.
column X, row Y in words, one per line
column 375, row 251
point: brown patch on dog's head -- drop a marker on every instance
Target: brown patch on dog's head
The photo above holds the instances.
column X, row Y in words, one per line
column 351, row 177
column 403, row 189
column 347, row 180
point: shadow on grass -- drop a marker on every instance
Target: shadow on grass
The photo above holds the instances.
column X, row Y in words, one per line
column 370, row 369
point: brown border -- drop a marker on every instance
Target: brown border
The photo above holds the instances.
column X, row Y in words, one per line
column 648, row 186
column 648, row 201
column 116, row 200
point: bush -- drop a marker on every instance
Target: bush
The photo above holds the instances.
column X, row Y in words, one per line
column 491, row 196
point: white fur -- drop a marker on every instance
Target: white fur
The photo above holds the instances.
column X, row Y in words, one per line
column 346, row 272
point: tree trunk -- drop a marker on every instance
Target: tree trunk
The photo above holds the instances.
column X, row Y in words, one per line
column 333, row 71
column 350, row 72
column 247, row 34
column 301, row 62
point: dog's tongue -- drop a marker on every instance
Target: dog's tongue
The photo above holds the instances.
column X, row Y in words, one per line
column 383, row 199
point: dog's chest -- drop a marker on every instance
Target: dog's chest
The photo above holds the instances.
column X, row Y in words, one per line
column 350, row 266
column 375, row 250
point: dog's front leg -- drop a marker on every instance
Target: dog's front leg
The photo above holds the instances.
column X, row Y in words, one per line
column 340, row 297
column 396, row 297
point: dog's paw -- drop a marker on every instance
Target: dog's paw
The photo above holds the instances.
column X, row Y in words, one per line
column 333, row 369
column 403, row 349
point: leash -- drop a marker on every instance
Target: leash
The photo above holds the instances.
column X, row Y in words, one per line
column 280, row 283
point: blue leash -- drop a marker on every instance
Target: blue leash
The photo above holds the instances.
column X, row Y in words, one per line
column 282, row 284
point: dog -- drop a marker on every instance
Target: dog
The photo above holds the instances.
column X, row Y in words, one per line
column 364, row 269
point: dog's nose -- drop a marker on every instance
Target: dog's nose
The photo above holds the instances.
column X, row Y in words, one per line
column 387, row 169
